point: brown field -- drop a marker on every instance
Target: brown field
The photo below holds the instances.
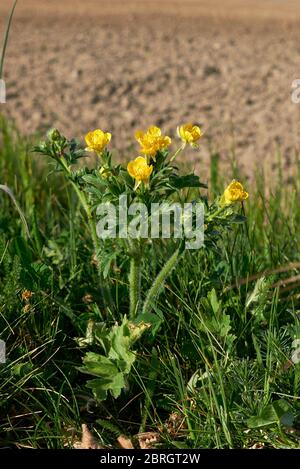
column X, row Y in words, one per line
column 122, row 65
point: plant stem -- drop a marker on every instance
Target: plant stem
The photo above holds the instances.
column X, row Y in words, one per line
column 5, row 41
column 158, row 282
column 216, row 214
column 179, row 150
column 134, row 284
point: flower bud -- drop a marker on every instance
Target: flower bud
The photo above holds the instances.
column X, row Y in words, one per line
column 53, row 134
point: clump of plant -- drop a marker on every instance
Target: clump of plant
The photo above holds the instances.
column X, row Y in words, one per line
column 123, row 207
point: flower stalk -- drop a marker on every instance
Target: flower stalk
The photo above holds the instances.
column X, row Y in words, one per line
column 159, row 281
column 134, row 286
column 179, row 150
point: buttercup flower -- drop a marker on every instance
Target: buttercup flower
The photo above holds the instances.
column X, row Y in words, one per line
column 97, row 140
column 189, row 133
column 234, row 193
column 140, row 171
column 152, row 141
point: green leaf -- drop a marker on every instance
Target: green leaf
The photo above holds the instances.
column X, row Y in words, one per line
column 111, row 369
column 100, row 387
column 120, row 346
column 189, row 180
column 93, row 180
column 22, row 369
column 98, row 365
column 225, row 325
column 215, row 304
column 259, row 292
column 281, row 407
column 271, row 414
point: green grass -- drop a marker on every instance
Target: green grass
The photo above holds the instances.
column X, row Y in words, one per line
column 219, row 357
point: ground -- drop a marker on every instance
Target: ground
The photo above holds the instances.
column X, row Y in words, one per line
column 121, row 66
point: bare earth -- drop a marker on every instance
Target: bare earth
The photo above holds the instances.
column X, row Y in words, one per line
column 123, row 65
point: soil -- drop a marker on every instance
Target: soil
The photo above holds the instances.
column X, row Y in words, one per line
column 124, row 65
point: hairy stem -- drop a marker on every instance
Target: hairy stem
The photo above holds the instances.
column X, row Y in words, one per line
column 159, row 281
column 134, row 285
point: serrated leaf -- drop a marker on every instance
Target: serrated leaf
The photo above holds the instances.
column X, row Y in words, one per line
column 100, row 387
column 258, row 292
column 93, row 180
column 111, row 369
column 189, row 180
column 120, row 346
column 215, row 304
column 98, row 365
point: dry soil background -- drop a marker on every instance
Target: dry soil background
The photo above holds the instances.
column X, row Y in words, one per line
column 122, row 65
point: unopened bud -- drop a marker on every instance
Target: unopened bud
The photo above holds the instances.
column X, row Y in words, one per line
column 53, row 134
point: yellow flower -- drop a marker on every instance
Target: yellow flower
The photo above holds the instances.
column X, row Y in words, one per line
column 152, row 141
column 140, row 171
column 189, row 133
column 234, row 193
column 97, row 140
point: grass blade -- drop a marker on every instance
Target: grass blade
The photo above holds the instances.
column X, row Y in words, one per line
column 6, row 35
column 7, row 190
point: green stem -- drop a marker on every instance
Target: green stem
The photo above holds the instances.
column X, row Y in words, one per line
column 5, row 41
column 134, row 285
column 216, row 214
column 177, row 152
column 158, row 282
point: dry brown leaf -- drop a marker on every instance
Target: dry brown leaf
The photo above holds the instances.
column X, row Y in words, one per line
column 87, row 440
column 124, row 442
column 147, row 440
